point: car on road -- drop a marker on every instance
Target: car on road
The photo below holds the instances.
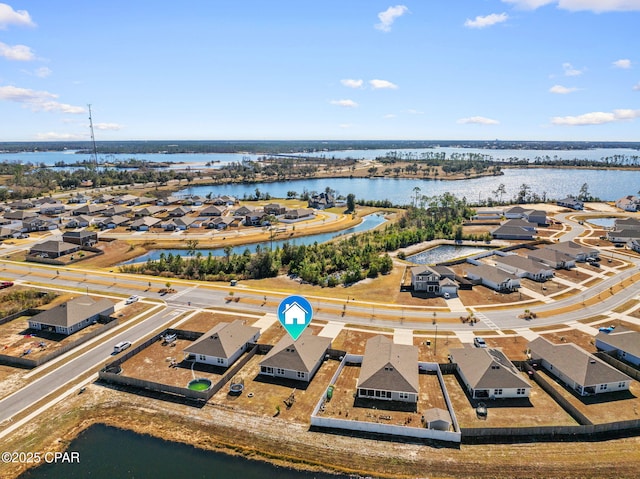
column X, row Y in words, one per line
column 132, row 299
column 121, row 346
column 5, row 284
column 479, row 342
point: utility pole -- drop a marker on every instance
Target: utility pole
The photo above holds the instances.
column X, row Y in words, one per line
column 93, row 139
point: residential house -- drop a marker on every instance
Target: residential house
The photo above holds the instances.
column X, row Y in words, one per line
column 53, row 249
column 104, row 198
column 181, row 210
column 487, row 374
column 244, row 211
column 524, row 267
column 493, row 277
column 255, row 218
column 224, row 200
column 213, row 210
column 169, row 200
column 298, row 360
column 53, row 208
column 193, row 200
column 298, row 213
column 629, row 203
column 116, row 210
column 79, row 198
column 81, row 221
column 39, row 223
column 322, row 201
column 21, row 205
column 144, row 223
column 113, row 222
column 149, row 211
column 434, row 279
column 577, row 251
column 275, row 209
column 571, row 203
column 83, row 237
column 552, row 258
column 389, row 371
column 634, row 245
column 130, row 200
column 538, row 217
column 623, row 343
column 624, row 230
column 223, row 344
column 72, row 316
column 179, row 224
column 90, row 209
column 10, row 231
column 579, row 370
column 516, row 229
column 19, row 215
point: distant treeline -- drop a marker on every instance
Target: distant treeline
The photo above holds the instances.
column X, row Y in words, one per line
column 273, row 147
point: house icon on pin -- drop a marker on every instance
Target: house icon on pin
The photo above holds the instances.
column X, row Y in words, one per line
column 295, row 314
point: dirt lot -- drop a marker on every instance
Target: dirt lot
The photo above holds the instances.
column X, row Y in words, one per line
column 354, row 341
column 584, row 340
column 602, row 408
column 205, row 320
column 343, row 404
column 538, row 410
column 16, row 338
column 438, row 349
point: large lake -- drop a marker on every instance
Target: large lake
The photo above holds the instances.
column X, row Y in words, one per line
column 110, row 453
column 608, row 185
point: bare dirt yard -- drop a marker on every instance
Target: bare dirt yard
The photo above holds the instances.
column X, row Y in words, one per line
column 602, row 408
column 537, row 410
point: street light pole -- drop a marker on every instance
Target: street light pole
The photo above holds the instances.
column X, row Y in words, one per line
column 435, row 342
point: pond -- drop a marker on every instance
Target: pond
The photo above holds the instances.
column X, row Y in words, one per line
column 602, row 222
column 368, row 222
column 443, row 253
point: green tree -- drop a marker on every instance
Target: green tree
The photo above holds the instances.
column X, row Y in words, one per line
column 351, row 203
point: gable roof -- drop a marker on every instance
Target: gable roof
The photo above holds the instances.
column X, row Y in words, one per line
column 300, row 355
column 576, row 363
column 53, row 246
column 73, row 311
column 524, row 264
column 223, row 340
column 571, row 248
column 487, row 368
column 387, row 366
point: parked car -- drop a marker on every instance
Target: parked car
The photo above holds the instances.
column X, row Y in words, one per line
column 131, row 299
column 5, row 284
column 479, row 342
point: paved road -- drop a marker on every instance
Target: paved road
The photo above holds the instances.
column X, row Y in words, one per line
column 98, row 355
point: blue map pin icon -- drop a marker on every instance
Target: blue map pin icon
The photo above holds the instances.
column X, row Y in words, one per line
column 295, row 313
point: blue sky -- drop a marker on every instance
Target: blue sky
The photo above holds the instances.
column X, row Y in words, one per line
column 330, row 69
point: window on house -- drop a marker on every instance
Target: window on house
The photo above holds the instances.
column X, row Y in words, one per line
column 603, row 387
column 301, row 375
column 622, row 384
column 520, row 391
column 404, row 395
column 497, row 392
column 220, row 361
column 202, row 357
column 280, row 371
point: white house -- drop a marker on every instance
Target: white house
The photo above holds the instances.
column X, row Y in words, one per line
column 624, row 343
column 223, row 344
column 488, row 374
column 493, row 278
column 579, row 370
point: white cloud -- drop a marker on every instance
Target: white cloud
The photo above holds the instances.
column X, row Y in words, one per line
column 477, row 120
column 382, row 84
column 344, row 103
column 636, row 87
column 352, row 83
column 415, row 112
column 562, row 90
column 623, row 63
column 597, row 118
column 596, row 6
column 345, row 125
column 20, row 53
column 486, row 21
column 9, row 16
column 43, row 72
column 570, row 71
column 108, row 126
column 389, row 16
column 37, row 100
column 390, row 116
column 59, row 136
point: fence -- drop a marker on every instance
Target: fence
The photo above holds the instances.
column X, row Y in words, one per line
column 24, row 312
column 109, row 374
column 22, row 362
column 378, row 428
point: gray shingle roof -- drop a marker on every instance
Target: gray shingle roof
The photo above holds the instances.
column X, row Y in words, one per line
column 73, row 311
column 487, row 368
column 300, row 355
column 387, row 366
column 223, row 340
column 623, row 339
column 576, row 363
